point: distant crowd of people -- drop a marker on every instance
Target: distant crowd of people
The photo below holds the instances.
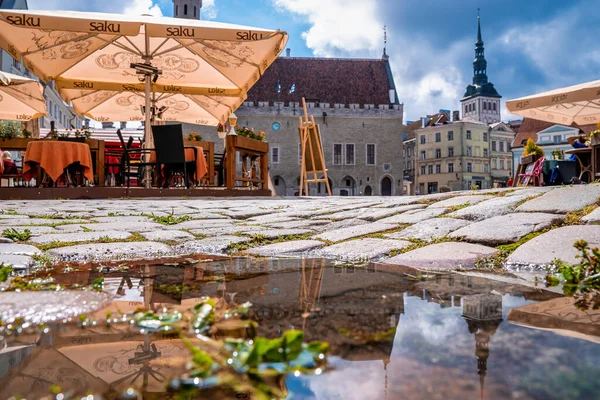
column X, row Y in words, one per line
column 331, row 81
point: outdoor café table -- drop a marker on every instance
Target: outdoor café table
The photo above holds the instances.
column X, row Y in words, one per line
column 190, row 155
column 54, row 156
column 584, row 157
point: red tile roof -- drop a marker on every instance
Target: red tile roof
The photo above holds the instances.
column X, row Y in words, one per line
column 530, row 128
column 325, row 80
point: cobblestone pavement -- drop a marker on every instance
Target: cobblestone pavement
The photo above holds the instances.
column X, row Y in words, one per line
column 443, row 231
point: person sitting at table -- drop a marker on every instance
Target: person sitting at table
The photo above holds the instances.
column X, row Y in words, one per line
column 9, row 167
column 578, row 142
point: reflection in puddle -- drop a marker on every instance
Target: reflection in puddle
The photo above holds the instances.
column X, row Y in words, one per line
column 391, row 335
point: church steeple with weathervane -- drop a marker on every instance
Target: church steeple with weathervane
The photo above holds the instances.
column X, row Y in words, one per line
column 481, row 100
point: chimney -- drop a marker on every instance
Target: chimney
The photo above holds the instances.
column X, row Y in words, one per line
column 423, row 122
column 455, row 115
column 123, row 125
column 288, row 52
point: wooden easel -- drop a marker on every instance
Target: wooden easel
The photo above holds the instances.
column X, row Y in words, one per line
column 310, row 137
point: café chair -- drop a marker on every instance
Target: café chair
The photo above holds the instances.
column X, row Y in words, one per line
column 170, row 153
column 132, row 164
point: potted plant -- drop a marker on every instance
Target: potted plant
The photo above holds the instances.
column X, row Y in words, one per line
column 10, row 130
column 249, row 133
column 557, row 154
column 595, row 136
column 25, row 133
column 531, row 152
column 194, row 137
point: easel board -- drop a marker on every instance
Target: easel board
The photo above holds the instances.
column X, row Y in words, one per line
column 528, row 171
column 314, row 141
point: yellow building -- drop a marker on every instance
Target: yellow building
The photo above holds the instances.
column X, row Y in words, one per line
column 453, row 156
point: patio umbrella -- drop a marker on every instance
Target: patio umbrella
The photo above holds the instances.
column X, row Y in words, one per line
column 103, row 53
column 21, row 99
column 578, row 104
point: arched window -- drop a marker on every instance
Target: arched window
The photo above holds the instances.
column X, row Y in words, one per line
column 194, row 11
column 485, row 105
column 494, row 106
column 466, row 109
column 185, row 9
column 176, row 10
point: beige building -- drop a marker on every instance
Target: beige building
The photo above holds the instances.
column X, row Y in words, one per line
column 455, row 155
column 501, row 136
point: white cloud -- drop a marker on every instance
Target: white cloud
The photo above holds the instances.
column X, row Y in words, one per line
column 338, row 26
column 209, row 9
column 134, row 7
column 139, row 7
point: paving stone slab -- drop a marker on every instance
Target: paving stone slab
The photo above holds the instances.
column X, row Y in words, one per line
column 431, row 229
column 285, row 248
column 369, row 248
column 460, row 200
column 48, row 306
column 200, row 224
column 507, row 228
column 372, row 214
column 12, row 216
column 303, row 224
column 111, row 251
column 271, row 218
column 557, row 243
column 123, row 219
column 168, row 236
column 113, row 226
column 319, row 227
column 443, row 256
column 42, row 221
column 214, row 245
column 531, row 191
column 79, row 237
column 18, row 249
column 16, row 261
column 593, row 217
column 563, row 200
column 226, row 230
column 414, row 216
column 339, row 235
column 276, row 233
column 489, row 208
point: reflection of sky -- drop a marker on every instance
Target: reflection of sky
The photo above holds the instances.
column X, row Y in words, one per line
column 434, row 349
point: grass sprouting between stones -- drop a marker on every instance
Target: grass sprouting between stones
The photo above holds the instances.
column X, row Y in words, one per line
column 170, row 219
column 15, row 235
column 497, row 261
column 574, row 218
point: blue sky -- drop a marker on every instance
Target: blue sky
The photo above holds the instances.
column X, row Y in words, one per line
column 531, row 45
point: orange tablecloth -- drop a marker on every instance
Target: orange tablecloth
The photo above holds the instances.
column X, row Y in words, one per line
column 201, row 165
column 55, row 156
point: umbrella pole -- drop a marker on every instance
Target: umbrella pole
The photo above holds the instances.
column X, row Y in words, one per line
column 147, row 134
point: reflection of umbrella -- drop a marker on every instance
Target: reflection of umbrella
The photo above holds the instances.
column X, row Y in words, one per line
column 579, row 104
column 90, row 54
column 21, row 99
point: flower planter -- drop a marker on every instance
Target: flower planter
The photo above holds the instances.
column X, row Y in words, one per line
column 528, row 159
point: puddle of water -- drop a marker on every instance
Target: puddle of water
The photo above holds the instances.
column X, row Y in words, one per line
column 392, row 336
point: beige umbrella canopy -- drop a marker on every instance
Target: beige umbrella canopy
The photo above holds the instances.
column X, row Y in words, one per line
column 91, row 53
column 21, row 99
column 127, row 106
column 578, row 104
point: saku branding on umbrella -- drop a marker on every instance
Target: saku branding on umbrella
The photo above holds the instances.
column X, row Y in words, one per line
column 181, row 31
column 249, row 35
column 216, row 91
column 23, row 20
column 131, row 88
column 83, row 85
column 24, row 117
column 105, row 26
column 172, row 88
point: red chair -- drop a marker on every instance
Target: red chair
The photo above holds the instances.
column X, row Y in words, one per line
column 535, row 174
